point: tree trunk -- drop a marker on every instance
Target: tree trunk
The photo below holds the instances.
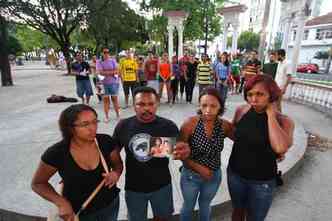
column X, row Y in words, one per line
column 6, row 77
column 66, row 53
column 206, row 26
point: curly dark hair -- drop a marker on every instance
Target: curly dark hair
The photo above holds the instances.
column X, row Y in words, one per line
column 215, row 93
column 69, row 116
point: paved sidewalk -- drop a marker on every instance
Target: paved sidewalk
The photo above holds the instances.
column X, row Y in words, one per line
column 28, row 125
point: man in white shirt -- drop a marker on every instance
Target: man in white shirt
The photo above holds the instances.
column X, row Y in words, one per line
column 283, row 76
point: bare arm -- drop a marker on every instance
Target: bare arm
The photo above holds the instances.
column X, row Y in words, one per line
column 185, row 133
column 280, row 132
column 289, row 79
column 42, row 187
column 117, row 168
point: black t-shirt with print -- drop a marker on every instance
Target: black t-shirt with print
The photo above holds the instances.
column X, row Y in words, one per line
column 144, row 173
column 81, row 67
column 80, row 183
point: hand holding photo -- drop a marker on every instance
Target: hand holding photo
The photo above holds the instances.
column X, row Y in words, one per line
column 162, row 146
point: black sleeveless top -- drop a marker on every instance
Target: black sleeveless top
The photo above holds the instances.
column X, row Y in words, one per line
column 252, row 156
column 207, row 151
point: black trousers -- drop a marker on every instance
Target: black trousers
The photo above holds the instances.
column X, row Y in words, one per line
column 182, row 84
column 174, row 88
column 190, row 85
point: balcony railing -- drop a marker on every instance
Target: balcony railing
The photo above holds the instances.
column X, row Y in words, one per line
column 316, row 95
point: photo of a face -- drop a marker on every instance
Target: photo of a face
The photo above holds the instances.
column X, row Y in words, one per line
column 162, row 146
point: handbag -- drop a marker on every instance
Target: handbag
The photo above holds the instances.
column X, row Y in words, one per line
column 53, row 213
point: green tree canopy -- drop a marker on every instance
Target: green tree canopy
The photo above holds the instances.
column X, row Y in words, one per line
column 117, row 26
column 248, row 40
column 57, row 19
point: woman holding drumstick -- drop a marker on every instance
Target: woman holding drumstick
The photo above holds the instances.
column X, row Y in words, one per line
column 78, row 160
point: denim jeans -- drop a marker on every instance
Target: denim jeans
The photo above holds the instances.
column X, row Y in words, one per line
column 253, row 195
column 223, row 90
column 161, row 202
column 193, row 186
column 109, row 213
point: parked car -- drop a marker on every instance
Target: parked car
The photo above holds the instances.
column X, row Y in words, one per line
column 307, row 68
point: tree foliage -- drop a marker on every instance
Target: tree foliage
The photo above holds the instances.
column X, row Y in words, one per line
column 248, row 40
column 58, row 19
column 202, row 18
column 117, row 26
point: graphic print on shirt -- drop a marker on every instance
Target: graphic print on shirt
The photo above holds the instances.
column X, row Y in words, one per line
column 139, row 145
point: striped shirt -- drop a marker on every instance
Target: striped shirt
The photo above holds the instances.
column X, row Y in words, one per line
column 204, row 74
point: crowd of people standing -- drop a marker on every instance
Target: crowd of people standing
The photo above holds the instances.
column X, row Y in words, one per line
column 261, row 135
column 178, row 76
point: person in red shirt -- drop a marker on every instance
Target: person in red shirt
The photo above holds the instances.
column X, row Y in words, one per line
column 165, row 76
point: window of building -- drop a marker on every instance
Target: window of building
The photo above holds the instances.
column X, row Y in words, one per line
column 294, row 35
column 305, row 34
column 324, row 33
column 328, row 33
column 319, row 34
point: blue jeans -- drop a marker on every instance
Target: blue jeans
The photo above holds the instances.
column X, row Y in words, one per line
column 83, row 87
column 161, row 203
column 253, row 195
column 109, row 213
column 193, row 186
column 223, row 89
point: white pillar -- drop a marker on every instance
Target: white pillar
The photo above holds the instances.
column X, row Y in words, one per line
column 224, row 40
column 234, row 38
column 180, row 38
column 299, row 36
column 285, row 39
column 170, row 29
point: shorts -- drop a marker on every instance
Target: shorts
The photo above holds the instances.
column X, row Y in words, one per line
column 83, row 87
column 161, row 203
column 236, row 79
column 201, row 87
column 164, row 80
column 129, row 85
column 111, row 89
column 153, row 84
column 253, row 195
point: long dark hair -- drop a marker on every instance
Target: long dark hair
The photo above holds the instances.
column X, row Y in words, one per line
column 69, row 116
column 226, row 63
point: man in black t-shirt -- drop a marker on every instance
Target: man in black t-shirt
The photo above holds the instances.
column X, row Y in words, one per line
column 270, row 68
column 81, row 69
column 147, row 178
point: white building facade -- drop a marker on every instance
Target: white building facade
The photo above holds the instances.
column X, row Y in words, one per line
column 317, row 37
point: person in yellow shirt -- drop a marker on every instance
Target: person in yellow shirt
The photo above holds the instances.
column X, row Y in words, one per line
column 128, row 71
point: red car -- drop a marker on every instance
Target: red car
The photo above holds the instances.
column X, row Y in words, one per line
column 307, row 68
